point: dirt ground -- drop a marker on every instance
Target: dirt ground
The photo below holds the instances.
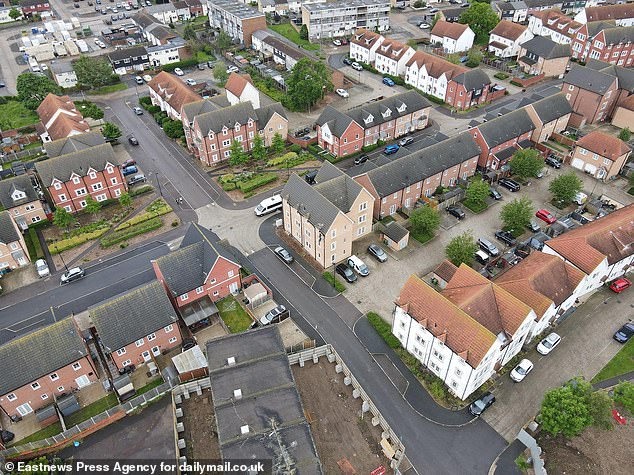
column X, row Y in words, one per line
column 200, row 427
column 595, row 452
column 337, row 427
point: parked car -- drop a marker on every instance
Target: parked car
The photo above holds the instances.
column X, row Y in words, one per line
column 347, row 62
column 548, row 344
column 509, row 184
column 533, row 226
column 424, row 26
column 336, row 42
column 433, row 10
column 140, row 178
column 147, row 77
column 201, row 66
column 405, row 141
column 478, row 406
column 624, row 333
column 232, row 69
column 344, row 271
column 357, row 66
column 138, row 79
column 343, row 93
column 190, row 82
column 361, row 159
column 488, row 247
column 283, row 254
column 390, row 149
column 133, row 141
column 6, row 436
column 128, row 162
column 545, row 216
column 495, row 194
column 552, row 162
column 580, row 198
column 358, row 266
column 130, row 170
column 619, row 285
column 388, row 82
column 71, row 275
column 377, row 252
column 179, row 72
column 521, row 370
column 274, row 315
column 42, row 268
column 455, row 211
column 137, row 110
column 506, row 237
column 481, row 257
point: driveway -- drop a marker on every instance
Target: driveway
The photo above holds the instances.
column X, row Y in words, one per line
column 586, row 347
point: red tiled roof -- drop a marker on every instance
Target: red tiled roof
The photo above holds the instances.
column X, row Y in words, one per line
column 392, row 49
column 364, row 38
column 610, row 12
column 435, row 65
column 449, row 29
column 508, row 29
column 605, row 145
column 66, row 123
column 51, row 104
column 173, row 91
column 65, row 126
column 556, row 20
column 236, row 83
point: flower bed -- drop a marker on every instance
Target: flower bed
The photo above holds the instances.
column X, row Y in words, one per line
column 131, row 231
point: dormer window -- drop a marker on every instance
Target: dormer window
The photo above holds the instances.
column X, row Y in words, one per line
column 92, row 175
column 225, row 131
column 387, row 113
column 237, row 127
column 402, row 107
column 76, row 180
column 369, row 119
column 18, row 195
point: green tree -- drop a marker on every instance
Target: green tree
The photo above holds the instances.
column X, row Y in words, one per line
column 94, row 72
column 110, row 131
column 14, row 13
column 237, row 157
column 220, row 72
column 425, row 220
column 435, row 20
column 258, row 150
column 600, row 406
column 565, row 411
column 223, row 40
column 516, row 214
column 474, row 56
column 624, row 395
column 92, row 206
column 173, row 129
column 461, row 249
column 278, row 144
column 481, row 19
column 565, row 187
column 89, row 109
column 477, row 191
column 62, row 218
column 526, row 163
column 189, row 32
column 625, row 134
column 303, row 32
column 307, row 83
column 453, row 58
column 33, row 88
column 125, row 200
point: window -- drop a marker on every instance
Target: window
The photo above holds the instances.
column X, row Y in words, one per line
column 76, row 366
column 109, row 169
column 363, row 206
column 184, row 297
column 230, row 273
column 199, row 290
column 595, row 156
column 172, row 340
column 80, row 191
column 227, row 153
column 140, row 342
column 333, row 233
column 362, row 219
column 97, row 186
column 583, row 151
column 54, row 377
column 76, row 180
column 151, row 336
column 127, row 363
column 82, row 203
column 35, row 219
column 44, row 397
column 113, row 181
column 212, row 281
column 238, row 138
column 57, row 186
column 11, row 397
column 226, row 143
column 361, row 231
column 458, row 372
column 454, row 384
column 92, row 175
column 169, row 328
column 60, row 388
column 571, row 88
column 121, row 352
column 606, row 161
column 62, row 197
column 35, row 385
column 333, row 246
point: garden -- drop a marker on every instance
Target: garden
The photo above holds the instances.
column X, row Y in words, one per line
column 289, row 32
column 14, row 114
column 233, row 315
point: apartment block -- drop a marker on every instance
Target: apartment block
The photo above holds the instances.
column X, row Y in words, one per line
column 337, row 19
column 236, row 19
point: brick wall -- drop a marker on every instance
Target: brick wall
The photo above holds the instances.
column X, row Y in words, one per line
column 164, row 339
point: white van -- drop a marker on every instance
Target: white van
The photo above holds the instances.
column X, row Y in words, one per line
column 482, row 257
column 269, row 205
column 358, row 266
column 580, row 198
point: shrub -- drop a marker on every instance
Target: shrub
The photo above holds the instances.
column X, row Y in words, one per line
column 383, row 328
column 175, row 223
column 295, row 148
column 369, row 148
column 501, row 76
column 37, row 247
column 228, row 178
column 515, row 83
column 141, row 190
column 158, row 205
column 74, row 241
column 145, row 102
column 131, row 231
column 332, row 280
column 282, row 160
column 228, row 186
column 153, row 110
column 256, row 182
column 186, row 63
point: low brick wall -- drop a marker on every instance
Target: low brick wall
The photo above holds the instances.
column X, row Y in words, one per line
column 529, row 81
column 563, row 139
column 299, row 141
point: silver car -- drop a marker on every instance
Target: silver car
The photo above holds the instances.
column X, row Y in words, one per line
column 42, row 268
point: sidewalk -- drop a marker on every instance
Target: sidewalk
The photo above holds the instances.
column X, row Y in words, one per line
column 608, row 383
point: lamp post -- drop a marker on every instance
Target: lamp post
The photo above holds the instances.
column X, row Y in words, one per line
column 61, row 257
column 158, row 181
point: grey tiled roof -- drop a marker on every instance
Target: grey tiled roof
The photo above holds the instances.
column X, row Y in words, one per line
column 501, row 129
column 27, row 358
column 8, row 233
column 133, row 315
column 192, row 109
column 589, row 79
column 546, row 48
column 411, row 99
column 124, row 53
column 552, row 107
column 395, row 231
column 337, row 121
column 595, row 27
column 20, row 183
column 473, row 79
column 624, row 75
column 73, row 143
column 227, row 117
column 328, row 171
column 310, row 203
column 341, row 191
column 265, row 113
column 620, row 34
column 63, row 166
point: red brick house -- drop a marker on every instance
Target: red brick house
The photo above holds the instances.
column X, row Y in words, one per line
column 60, row 118
column 38, row 367
column 34, row 7
column 191, row 110
column 501, row 137
column 136, row 327
column 170, row 93
column 198, row 274
column 70, row 178
column 472, row 88
column 600, row 155
column 605, row 41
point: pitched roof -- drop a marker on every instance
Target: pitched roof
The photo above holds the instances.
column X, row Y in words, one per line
column 589, row 79
column 65, row 126
column 63, row 166
column 395, row 231
column 625, row 76
column 172, row 90
column 449, row 29
column 435, row 65
column 46, row 350
column 187, row 268
column 610, row 237
column 508, row 29
column 393, row 49
column 446, row 321
column 123, row 53
column 236, row 83
column 603, row 144
column 144, row 19
column 552, row 107
column 365, row 38
column 610, row 12
column 445, row 270
column 507, row 127
column 20, row 183
column 328, row 171
column 215, row 121
column 74, row 143
column 596, row 27
column 192, row 109
column 336, row 120
column 546, row 48
column 619, row 35
column 265, row 113
column 556, row 20
column 375, row 113
column 8, row 234
column 341, row 191
column 133, row 315
column 473, row 79
column 66, row 122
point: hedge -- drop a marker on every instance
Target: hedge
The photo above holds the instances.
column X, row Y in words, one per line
column 515, row 83
column 228, row 186
column 159, row 205
column 37, row 247
column 145, row 102
column 384, row 329
column 186, row 63
column 295, row 148
column 228, row 178
column 281, row 160
column 140, row 190
column 369, row 148
column 153, row 110
column 501, row 76
column 125, row 234
column 256, row 182
column 65, row 244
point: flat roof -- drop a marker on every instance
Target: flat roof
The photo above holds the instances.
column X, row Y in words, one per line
column 237, row 9
column 318, row 7
column 244, row 347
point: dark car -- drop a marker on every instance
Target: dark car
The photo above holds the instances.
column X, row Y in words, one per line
column 552, row 161
column 72, row 275
column 133, row 141
column 455, row 211
column 495, row 194
column 344, row 271
column 509, row 184
column 347, row 61
column 479, row 406
column 283, row 254
column 361, row 159
column 140, row 178
column 506, row 237
column 624, row 333
column 6, row 436
column 128, row 163
column 377, row 252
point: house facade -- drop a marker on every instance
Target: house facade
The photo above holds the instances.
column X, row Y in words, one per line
column 452, row 37
column 605, row 42
column 128, row 60
column 600, row 155
column 35, row 7
column 554, row 24
column 13, row 250
column 512, row 11
column 20, row 199
column 541, row 55
column 337, row 19
column 472, row 88
column 622, row 14
column 391, row 57
column 364, row 44
column 60, row 118
column 240, row 88
column 431, row 74
column 505, row 39
column 549, row 115
column 236, row 19
column 170, row 93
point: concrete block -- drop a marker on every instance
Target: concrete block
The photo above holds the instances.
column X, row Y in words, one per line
column 181, row 443
column 365, row 407
column 385, row 435
column 186, row 394
column 301, row 362
column 375, row 421
column 178, row 399
column 179, row 412
column 347, row 380
column 315, row 359
column 339, row 368
column 356, row 393
column 331, row 358
column 180, row 427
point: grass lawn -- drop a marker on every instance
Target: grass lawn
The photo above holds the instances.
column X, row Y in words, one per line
column 234, row 316
column 93, row 409
column 108, row 89
column 421, row 237
column 148, row 387
column 623, row 362
column 287, row 30
column 49, row 431
column 332, row 280
column 14, row 115
column 475, row 206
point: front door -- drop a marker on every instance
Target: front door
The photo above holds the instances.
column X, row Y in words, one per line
column 24, row 409
column 156, row 351
column 233, row 288
column 82, row 381
column 392, row 209
column 146, row 356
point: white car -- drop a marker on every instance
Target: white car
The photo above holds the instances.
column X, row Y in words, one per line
column 232, row 69
column 548, row 344
column 42, row 268
column 147, row 78
column 179, row 72
column 190, row 82
column 336, row 42
column 424, row 26
column 357, row 66
column 43, row 67
column 521, row 370
column 343, row 93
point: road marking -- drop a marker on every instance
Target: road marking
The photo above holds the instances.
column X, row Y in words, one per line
column 10, row 329
column 605, row 348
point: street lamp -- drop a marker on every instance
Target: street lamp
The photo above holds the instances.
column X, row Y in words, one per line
column 158, row 181
column 61, row 257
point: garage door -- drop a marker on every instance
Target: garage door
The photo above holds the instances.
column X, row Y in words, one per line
column 590, row 169
column 577, row 163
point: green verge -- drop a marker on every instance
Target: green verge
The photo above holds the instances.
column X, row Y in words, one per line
column 121, row 86
column 623, row 362
column 91, row 410
column 332, row 280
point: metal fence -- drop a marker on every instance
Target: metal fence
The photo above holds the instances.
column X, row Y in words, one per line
column 145, row 398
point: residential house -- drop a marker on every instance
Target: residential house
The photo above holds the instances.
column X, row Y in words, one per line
column 20, row 199
column 472, row 88
column 547, row 284
column 451, row 14
column 327, row 217
column 60, row 118
column 63, row 73
column 391, row 57
column 198, row 274
column 13, row 251
column 170, row 93
column 622, row 14
column 156, row 33
column 541, row 55
column 554, row 24
column 238, row 20
column 600, row 155
column 74, row 143
column 501, row 137
column 197, row 7
column 129, row 60
column 605, row 41
column 5, row 17
column 191, row 110
column 464, row 333
column 137, row 326
column 70, row 178
column 35, row 7
column 401, row 182
column 452, row 37
column 272, row 120
column 431, row 74
column 42, row 365
column 280, row 51
column 505, row 39
column 364, row 44
column 624, row 114
column 511, row 11
column 549, row 115
column 182, row 10
column 343, row 18
column 240, row 88
column 166, row 13
column 601, row 249
column 169, row 53
column 575, row 6
column 343, row 133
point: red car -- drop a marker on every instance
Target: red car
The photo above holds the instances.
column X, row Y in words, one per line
column 619, row 285
column 545, row 215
